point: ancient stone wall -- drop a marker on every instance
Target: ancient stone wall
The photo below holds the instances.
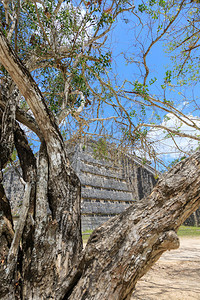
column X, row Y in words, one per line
column 109, row 184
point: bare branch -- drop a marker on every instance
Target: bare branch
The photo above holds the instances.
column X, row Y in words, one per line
column 12, row 28
column 157, row 39
column 102, row 119
column 188, row 55
column 5, row 4
column 166, row 106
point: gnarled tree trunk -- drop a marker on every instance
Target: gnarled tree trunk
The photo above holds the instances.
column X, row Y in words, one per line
column 43, row 258
column 50, row 227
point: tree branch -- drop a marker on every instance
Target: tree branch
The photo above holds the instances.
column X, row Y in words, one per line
column 28, row 89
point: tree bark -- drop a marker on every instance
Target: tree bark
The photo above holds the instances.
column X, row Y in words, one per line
column 50, row 249
column 7, row 125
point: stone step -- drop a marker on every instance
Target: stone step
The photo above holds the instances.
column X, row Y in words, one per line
column 87, row 158
column 101, row 171
column 106, row 195
column 105, row 208
column 105, row 183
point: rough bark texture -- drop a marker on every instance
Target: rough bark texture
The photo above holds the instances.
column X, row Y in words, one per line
column 7, row 124
column 43, row 258
column 7, row 132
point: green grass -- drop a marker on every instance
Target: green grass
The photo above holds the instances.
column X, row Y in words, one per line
column 86, row 235
column 189, row 231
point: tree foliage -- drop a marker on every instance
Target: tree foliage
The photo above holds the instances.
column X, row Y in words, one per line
column 66, row 44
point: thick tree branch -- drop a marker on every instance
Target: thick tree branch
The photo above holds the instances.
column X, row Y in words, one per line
column 5, row 205
column 66, row 111
column 28, row 88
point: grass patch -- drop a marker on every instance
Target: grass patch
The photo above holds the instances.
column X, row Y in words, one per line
column 86, row 235
column 189, row 231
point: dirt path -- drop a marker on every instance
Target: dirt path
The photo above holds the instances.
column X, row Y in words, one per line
column 176, row 276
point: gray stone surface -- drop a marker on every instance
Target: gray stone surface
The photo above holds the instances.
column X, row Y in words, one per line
column 93, row 221
column 105, row 182
column 94, row 193
column 100, row 170
column 103, row 208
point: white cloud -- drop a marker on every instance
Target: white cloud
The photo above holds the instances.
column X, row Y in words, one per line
column 170, row 148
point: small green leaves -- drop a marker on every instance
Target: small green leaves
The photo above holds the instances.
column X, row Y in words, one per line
column 14, row 155
column 132, row 113
column 168, row 76
column 162, row 3
column 140, row 88
column 153, row 80
column 152, row 2
column 142, row 7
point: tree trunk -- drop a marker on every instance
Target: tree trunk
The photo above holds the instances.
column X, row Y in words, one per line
column 195, row 219
column 7, row 124
column 51, row 231
column 43, row 258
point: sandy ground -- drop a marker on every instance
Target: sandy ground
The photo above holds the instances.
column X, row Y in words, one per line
column 176, row 276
